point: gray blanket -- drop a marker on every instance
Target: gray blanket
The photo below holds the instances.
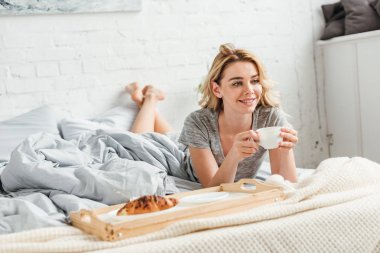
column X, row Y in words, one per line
column 47, row 177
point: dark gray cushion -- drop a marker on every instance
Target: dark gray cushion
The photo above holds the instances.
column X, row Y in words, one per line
column 333, row 29
column 333, row 11
column 360, row 16
column 376, row 5
column 334, row 17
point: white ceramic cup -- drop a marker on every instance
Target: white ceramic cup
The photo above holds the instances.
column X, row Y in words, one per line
column 269, row 137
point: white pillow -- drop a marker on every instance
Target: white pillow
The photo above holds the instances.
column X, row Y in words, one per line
column 121, row 117
column 15, row 130
column 72, row 128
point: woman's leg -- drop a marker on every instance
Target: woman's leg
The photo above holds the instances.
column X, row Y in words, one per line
column 161, row 125
column 148, row 119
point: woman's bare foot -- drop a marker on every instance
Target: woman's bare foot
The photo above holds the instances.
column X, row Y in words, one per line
column 136, row 93
column 152, row 92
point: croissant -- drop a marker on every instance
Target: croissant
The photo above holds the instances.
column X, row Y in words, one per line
column 147, row 204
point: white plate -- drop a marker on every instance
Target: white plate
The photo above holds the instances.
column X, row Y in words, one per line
column 204, row 197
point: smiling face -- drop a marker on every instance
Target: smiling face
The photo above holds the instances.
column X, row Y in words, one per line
column 239, row 87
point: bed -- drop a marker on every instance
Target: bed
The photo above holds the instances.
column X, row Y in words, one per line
column 333, row 208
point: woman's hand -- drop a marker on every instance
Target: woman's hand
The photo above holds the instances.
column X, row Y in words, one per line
column 282, row 158
column 289, row 137
column 245, row 144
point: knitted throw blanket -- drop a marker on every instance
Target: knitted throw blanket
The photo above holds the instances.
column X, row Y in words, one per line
column 337, row 209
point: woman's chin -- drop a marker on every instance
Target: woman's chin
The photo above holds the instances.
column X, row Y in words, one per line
column 249, row 107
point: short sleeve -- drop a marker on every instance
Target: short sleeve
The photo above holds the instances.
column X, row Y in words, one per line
column 270, row 116
column 277, row 117
column 195, row 131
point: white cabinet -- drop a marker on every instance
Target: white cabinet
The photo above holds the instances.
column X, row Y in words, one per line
column 349, row 81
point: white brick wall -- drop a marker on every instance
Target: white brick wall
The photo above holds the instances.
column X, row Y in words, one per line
column 81, row 62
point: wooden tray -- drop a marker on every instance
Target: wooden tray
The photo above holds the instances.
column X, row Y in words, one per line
column 243, row 195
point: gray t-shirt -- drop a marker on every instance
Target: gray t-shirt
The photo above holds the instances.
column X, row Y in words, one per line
column 201, row 131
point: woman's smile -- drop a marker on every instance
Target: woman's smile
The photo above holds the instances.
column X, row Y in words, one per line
column 248, row 101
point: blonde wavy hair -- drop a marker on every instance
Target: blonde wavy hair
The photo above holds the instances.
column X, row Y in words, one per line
column 226, row 56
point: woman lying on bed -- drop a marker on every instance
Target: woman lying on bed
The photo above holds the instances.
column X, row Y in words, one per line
column 237, row 99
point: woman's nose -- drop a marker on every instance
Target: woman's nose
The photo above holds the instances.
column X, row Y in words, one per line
column 248, row 88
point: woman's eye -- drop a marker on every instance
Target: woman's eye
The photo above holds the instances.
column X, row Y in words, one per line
column 237, row 84
column 255, row 81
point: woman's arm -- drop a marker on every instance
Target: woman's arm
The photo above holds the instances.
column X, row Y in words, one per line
column 282, row 158
column 206, row 167
column 207, row 170
column 282, row 163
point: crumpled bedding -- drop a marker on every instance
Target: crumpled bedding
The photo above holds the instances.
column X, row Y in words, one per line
column 336, row 209
column 47, row 176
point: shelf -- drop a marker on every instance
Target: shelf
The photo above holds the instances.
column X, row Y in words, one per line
column 349, row 38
